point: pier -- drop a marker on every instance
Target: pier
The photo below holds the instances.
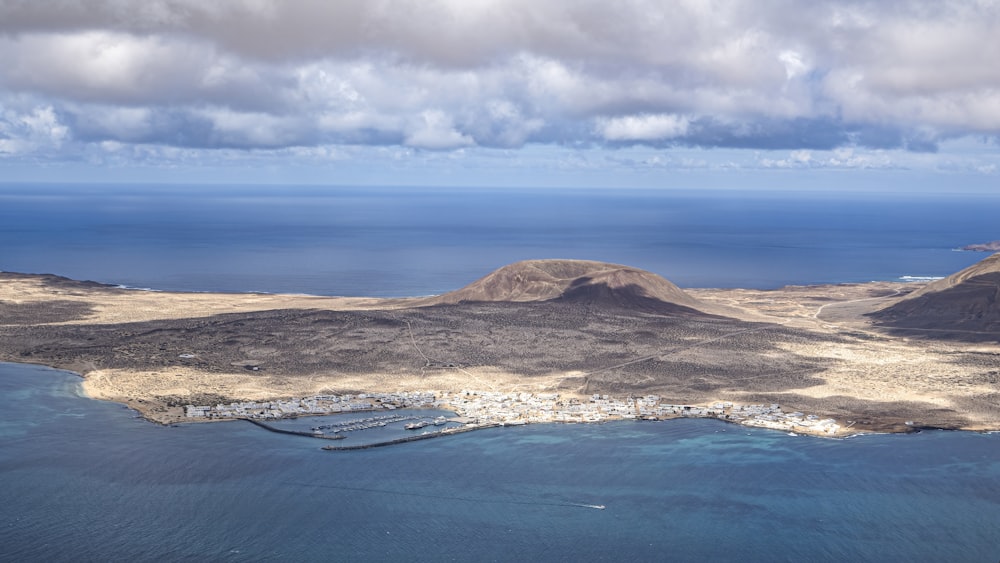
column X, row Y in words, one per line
column 414, row 438
column 270, row 428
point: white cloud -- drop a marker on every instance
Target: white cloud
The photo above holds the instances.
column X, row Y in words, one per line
column 239, row 129
column 643, row 127
column 801, row 156
column 435, row 131
column 28, row 131
column 448, row 74
column 794, row 64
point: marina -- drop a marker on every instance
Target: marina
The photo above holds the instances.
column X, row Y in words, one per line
column 473, row 410
column 362, row 424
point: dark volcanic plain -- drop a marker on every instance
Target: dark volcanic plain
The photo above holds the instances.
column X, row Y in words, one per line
column 575, row 327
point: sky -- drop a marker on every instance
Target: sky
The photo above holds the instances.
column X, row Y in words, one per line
column 841, row 95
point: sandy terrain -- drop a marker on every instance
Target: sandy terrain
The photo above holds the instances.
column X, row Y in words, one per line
column 807, row 348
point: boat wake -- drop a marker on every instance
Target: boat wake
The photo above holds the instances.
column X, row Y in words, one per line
column 523, row 500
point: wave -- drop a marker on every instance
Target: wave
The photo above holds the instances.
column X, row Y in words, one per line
column 920, row 278
column 241, row 292
column 121, row 286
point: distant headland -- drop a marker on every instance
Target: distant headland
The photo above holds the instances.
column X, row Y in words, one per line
column 535, row 341
column 992, row 246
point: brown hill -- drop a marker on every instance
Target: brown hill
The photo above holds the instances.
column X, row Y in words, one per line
column 581, row 282
column 967, row 302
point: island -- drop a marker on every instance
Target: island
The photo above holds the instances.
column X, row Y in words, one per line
column 540, row 341
column 992, row 246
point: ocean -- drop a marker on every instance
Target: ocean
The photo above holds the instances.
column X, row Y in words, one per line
column 84, row 480
column 408, row 241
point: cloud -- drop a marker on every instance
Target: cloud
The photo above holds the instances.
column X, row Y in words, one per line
column 643, row 127
column 38, row 128
column 435, row 131
column 451, row 74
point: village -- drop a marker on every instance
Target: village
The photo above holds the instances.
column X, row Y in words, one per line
column 487, row 408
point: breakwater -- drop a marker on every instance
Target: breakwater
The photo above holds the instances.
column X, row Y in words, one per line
column 414, row 438
column 270, row 428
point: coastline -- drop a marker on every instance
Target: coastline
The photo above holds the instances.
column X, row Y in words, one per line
column 496, row 411
column 492, row 420
column 141, row 407
column 865, row 379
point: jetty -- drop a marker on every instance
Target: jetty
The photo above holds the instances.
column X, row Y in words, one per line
column 413, row 438
column 276, row 430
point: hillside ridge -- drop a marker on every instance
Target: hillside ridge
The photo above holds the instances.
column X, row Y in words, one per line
column 967, row 302
column 577, row 281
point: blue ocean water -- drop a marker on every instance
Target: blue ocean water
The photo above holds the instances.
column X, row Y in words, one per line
column 421, row 241
column 83, row 480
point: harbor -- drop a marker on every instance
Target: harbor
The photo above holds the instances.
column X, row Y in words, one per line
column 382, row 417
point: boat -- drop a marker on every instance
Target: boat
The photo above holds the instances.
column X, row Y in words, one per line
column 416, row 425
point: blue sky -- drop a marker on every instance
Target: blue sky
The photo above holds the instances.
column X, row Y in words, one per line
column 777, row 94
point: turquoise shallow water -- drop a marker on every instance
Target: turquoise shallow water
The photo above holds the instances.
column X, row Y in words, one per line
column 83, row 480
